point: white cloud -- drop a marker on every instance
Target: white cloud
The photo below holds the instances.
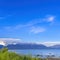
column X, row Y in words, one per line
column 37, row 30
column 6, row 41
column 10, row 40
column 50, row 43
column 32, row 23
column 49, row 18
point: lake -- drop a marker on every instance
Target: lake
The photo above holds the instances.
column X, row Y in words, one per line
column 43, row 52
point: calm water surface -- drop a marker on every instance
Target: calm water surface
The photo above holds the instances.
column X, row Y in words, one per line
column 43, row 52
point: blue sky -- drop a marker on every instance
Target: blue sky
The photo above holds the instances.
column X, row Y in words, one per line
column 30, row 20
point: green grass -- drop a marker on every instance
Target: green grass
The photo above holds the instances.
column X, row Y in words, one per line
column 5, row 55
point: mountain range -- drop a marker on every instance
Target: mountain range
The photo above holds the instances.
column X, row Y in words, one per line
column 29, row 46
column 25, row 46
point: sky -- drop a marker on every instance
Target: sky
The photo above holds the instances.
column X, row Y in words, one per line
column 30, row 20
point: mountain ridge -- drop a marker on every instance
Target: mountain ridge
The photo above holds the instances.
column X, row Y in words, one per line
column 20, row 45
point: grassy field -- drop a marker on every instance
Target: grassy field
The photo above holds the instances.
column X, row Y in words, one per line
column 5, row 55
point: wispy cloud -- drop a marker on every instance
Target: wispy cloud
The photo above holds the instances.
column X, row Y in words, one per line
column 32, row 24
column 49, row 18
column 37, row 30
column 29, row 24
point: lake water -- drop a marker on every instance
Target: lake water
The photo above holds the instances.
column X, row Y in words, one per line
column 43, row 52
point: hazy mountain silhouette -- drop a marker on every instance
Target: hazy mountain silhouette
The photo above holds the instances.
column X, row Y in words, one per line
column 26, row 46
column 29, row 46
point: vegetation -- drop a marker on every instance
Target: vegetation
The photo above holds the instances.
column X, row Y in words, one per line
column 5, row 55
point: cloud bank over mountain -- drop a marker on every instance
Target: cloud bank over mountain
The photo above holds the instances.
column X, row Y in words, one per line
column 7, row 41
